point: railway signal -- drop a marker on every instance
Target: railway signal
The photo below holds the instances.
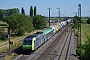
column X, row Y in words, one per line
column 9, row 33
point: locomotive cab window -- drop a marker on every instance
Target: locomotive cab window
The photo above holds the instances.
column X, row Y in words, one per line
column 25, row 42
column 30, row 42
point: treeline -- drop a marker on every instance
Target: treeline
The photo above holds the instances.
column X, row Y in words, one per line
column 75, row 22
column 8, row 12
column 85, row 48
column 21, row 23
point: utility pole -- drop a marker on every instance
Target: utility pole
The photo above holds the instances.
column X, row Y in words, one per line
column 59, row 12
column 76, row 13
column 79, row 27
column 49, row 16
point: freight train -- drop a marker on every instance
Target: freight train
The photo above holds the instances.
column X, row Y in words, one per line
column 32, row 42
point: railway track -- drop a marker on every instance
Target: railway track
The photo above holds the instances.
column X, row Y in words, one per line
column 23, row 57
column 51, row 52
column 66, row 47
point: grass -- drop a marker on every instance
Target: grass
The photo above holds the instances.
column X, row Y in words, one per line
column 85, row 29
column 14, row 39
column 84, row 20
column 10, row 57
column 1, row 22
column 5, row 49
column 15, row 44
column 2, row 43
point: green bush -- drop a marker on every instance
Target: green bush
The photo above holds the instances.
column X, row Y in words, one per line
column 75, row 22
column 3, row 34
column 80, row 52
column 39, row 22
column 74, row 26
column 85, row 50
column 20, row 32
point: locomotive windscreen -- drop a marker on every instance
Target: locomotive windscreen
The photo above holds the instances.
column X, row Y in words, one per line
column 27, row 42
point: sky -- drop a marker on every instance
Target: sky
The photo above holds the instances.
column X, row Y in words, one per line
column 67, row 7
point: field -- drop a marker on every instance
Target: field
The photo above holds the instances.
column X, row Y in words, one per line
column 84, row 20
column 85, row 29
column 55, row 18
column 17, row 41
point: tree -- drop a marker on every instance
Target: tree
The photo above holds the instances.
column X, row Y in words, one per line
column 31, row 11
column 19, row 23
column 75, row 22
column 1, row 14
column 22, row 11
column 39, row 22
column 3, row 34
column 9, row 12
column 34, row 10
column 88, row 21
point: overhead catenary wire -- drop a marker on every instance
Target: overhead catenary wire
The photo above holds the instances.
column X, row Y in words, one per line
column 63, row 12
column 70, row 9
